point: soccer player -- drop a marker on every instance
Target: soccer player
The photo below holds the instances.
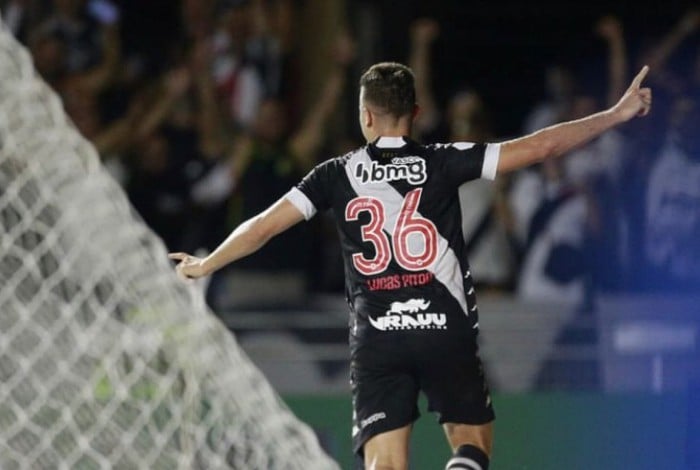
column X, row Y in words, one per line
column 414, row 318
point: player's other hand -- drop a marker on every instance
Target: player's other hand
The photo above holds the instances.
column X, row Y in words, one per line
column 189, row 267
column 637, row 100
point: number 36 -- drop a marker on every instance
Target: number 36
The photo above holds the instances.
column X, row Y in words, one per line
column 408, row 223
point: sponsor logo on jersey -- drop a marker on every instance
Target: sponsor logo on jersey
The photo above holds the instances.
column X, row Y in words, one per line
column 411, row 169
column 410, row 315
column 411, row 306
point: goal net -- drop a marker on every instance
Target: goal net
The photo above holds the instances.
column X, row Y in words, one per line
column 106, row 359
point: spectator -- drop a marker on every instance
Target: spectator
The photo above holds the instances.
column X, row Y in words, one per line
column 465, row 120
column 673, row 205
column 269, row 159
column 81, row 25
column 272, row 159
column 197, row 18
column 20, row 16
column 158, row 187
column 232, row 60
column 178, row 138
column 641, row 153
column 249, row 55
column 553, row 263
column 565, row 223
column 560, row 88
column 48, row 52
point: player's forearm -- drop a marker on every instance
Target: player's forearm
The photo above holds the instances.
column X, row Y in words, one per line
column 246, row 239
column 253, row 234
column 556, row 140
column 564, row 137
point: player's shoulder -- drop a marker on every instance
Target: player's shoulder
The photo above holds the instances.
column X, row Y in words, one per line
column 339, row 162
column 331, row 169
column 447, row 147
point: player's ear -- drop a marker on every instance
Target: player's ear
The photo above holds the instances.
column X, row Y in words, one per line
column 367, row 117
column 416, row 110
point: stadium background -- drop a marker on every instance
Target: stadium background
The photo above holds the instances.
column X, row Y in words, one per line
column 602, row 382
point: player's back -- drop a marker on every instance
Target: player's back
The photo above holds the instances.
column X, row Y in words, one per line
column 396, row 206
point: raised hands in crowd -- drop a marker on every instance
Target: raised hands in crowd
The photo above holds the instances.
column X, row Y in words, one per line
column 213, row 118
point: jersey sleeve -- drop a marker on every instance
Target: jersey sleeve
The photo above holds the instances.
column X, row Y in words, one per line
column 312, row 193
column 466, row 161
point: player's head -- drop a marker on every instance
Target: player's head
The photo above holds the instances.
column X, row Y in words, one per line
column 387, row 99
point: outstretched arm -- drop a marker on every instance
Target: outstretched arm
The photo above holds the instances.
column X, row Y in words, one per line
column 246, row 239
column 559, row 139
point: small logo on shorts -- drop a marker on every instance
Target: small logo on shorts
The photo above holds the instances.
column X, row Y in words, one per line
column 410, row 315
column 372, row 419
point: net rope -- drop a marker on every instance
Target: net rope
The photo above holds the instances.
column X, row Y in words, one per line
column 106, row 359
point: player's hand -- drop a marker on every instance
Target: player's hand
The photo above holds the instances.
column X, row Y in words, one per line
column 189, row 267
column 637, row 100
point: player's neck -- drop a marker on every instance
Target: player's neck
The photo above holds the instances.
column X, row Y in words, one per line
column 391, row 131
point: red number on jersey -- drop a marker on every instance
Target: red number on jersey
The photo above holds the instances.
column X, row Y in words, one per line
column 412, row 224
column 371, row 232
column 408, row 224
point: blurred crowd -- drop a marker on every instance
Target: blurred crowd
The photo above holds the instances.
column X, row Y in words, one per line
column 204, row 127
column 621, row 214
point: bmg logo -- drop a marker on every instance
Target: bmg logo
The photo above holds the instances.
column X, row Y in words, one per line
column 411, row 169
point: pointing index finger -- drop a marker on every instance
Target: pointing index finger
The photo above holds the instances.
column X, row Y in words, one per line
column 640, row 76
column 177, row 256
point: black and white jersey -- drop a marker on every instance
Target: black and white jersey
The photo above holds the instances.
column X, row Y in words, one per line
column 397, row 211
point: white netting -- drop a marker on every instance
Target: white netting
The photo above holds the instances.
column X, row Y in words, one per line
column 106, row 360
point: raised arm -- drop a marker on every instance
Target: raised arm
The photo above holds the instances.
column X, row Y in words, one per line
column 103, row 74
column 246, row 239
column 175, row 84
column 209, row 122
column 309, row 137
column 610, row 29
column 686, row 26
column 423, row 34
column 559, row 139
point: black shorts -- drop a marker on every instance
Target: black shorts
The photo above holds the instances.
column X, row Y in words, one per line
column 387, row 372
